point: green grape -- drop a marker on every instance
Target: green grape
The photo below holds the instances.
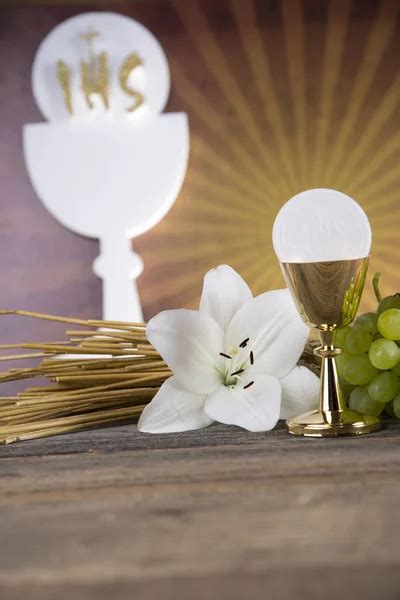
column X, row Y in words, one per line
column 357, row 341
column 359, row 393
column 361, row 402
column 346, row 389
column 383, row 387
column 396, row 369
column 384, row 354
column 357, row 370
column 340, row 336
column 396, row 406
column 388, row 302
column 389, row 409
column 367, row 322
column 341, row 362
column 389, row 324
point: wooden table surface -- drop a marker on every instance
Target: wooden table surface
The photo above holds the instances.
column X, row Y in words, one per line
column 212, row 514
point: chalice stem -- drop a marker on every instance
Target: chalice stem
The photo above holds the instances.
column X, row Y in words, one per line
column 330, row 396
column 332, row 417
column 119, row 266
column 121, row 300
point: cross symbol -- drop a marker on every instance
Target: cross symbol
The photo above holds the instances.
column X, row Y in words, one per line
column 90, row 35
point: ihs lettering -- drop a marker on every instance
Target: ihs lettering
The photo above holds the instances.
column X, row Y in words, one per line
column 95, row 76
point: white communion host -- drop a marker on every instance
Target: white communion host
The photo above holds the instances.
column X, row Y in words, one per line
column 321, row 225
column 106, row 163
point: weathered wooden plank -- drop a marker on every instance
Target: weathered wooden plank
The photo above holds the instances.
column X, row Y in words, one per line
column 126, row 437
column 218, row 513
column 334, row 584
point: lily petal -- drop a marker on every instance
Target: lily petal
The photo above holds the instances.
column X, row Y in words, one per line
column 173, row 409
column 255, row 408
column 224, row 292
column 190, row 343
column 300, row 390
column 276, row 333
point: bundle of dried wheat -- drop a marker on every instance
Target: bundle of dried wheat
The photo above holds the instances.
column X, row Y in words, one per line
column 105, row 372
column 95, row 377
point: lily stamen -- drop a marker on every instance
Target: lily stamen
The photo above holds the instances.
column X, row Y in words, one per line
column 225, row 355
column 248, row 385
column 237, row 372
column 244, row 343
column 251, row 358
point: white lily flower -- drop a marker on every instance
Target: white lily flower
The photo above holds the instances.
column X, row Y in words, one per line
column 234, row 360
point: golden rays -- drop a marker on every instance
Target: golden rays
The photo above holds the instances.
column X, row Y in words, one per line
column 336, row 28
column 251, row 36
column 260, row 133
column 209, row 48
column 379, row 37
column 294, row 39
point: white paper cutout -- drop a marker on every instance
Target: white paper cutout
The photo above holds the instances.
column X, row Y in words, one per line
column 109, row 174
column 321, row 225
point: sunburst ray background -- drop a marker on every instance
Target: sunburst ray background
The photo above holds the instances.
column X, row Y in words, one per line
column 282, row 96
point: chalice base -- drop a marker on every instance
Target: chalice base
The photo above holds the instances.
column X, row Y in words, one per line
column 333, row 423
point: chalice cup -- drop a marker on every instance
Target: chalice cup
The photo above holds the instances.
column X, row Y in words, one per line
column 327, row 291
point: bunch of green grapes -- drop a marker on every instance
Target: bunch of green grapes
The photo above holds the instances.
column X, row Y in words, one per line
column 369, row 365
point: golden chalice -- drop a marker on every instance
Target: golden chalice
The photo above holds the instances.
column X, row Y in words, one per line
column 322, row 239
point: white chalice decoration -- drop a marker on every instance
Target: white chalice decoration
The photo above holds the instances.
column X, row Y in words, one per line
column 107, row 164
